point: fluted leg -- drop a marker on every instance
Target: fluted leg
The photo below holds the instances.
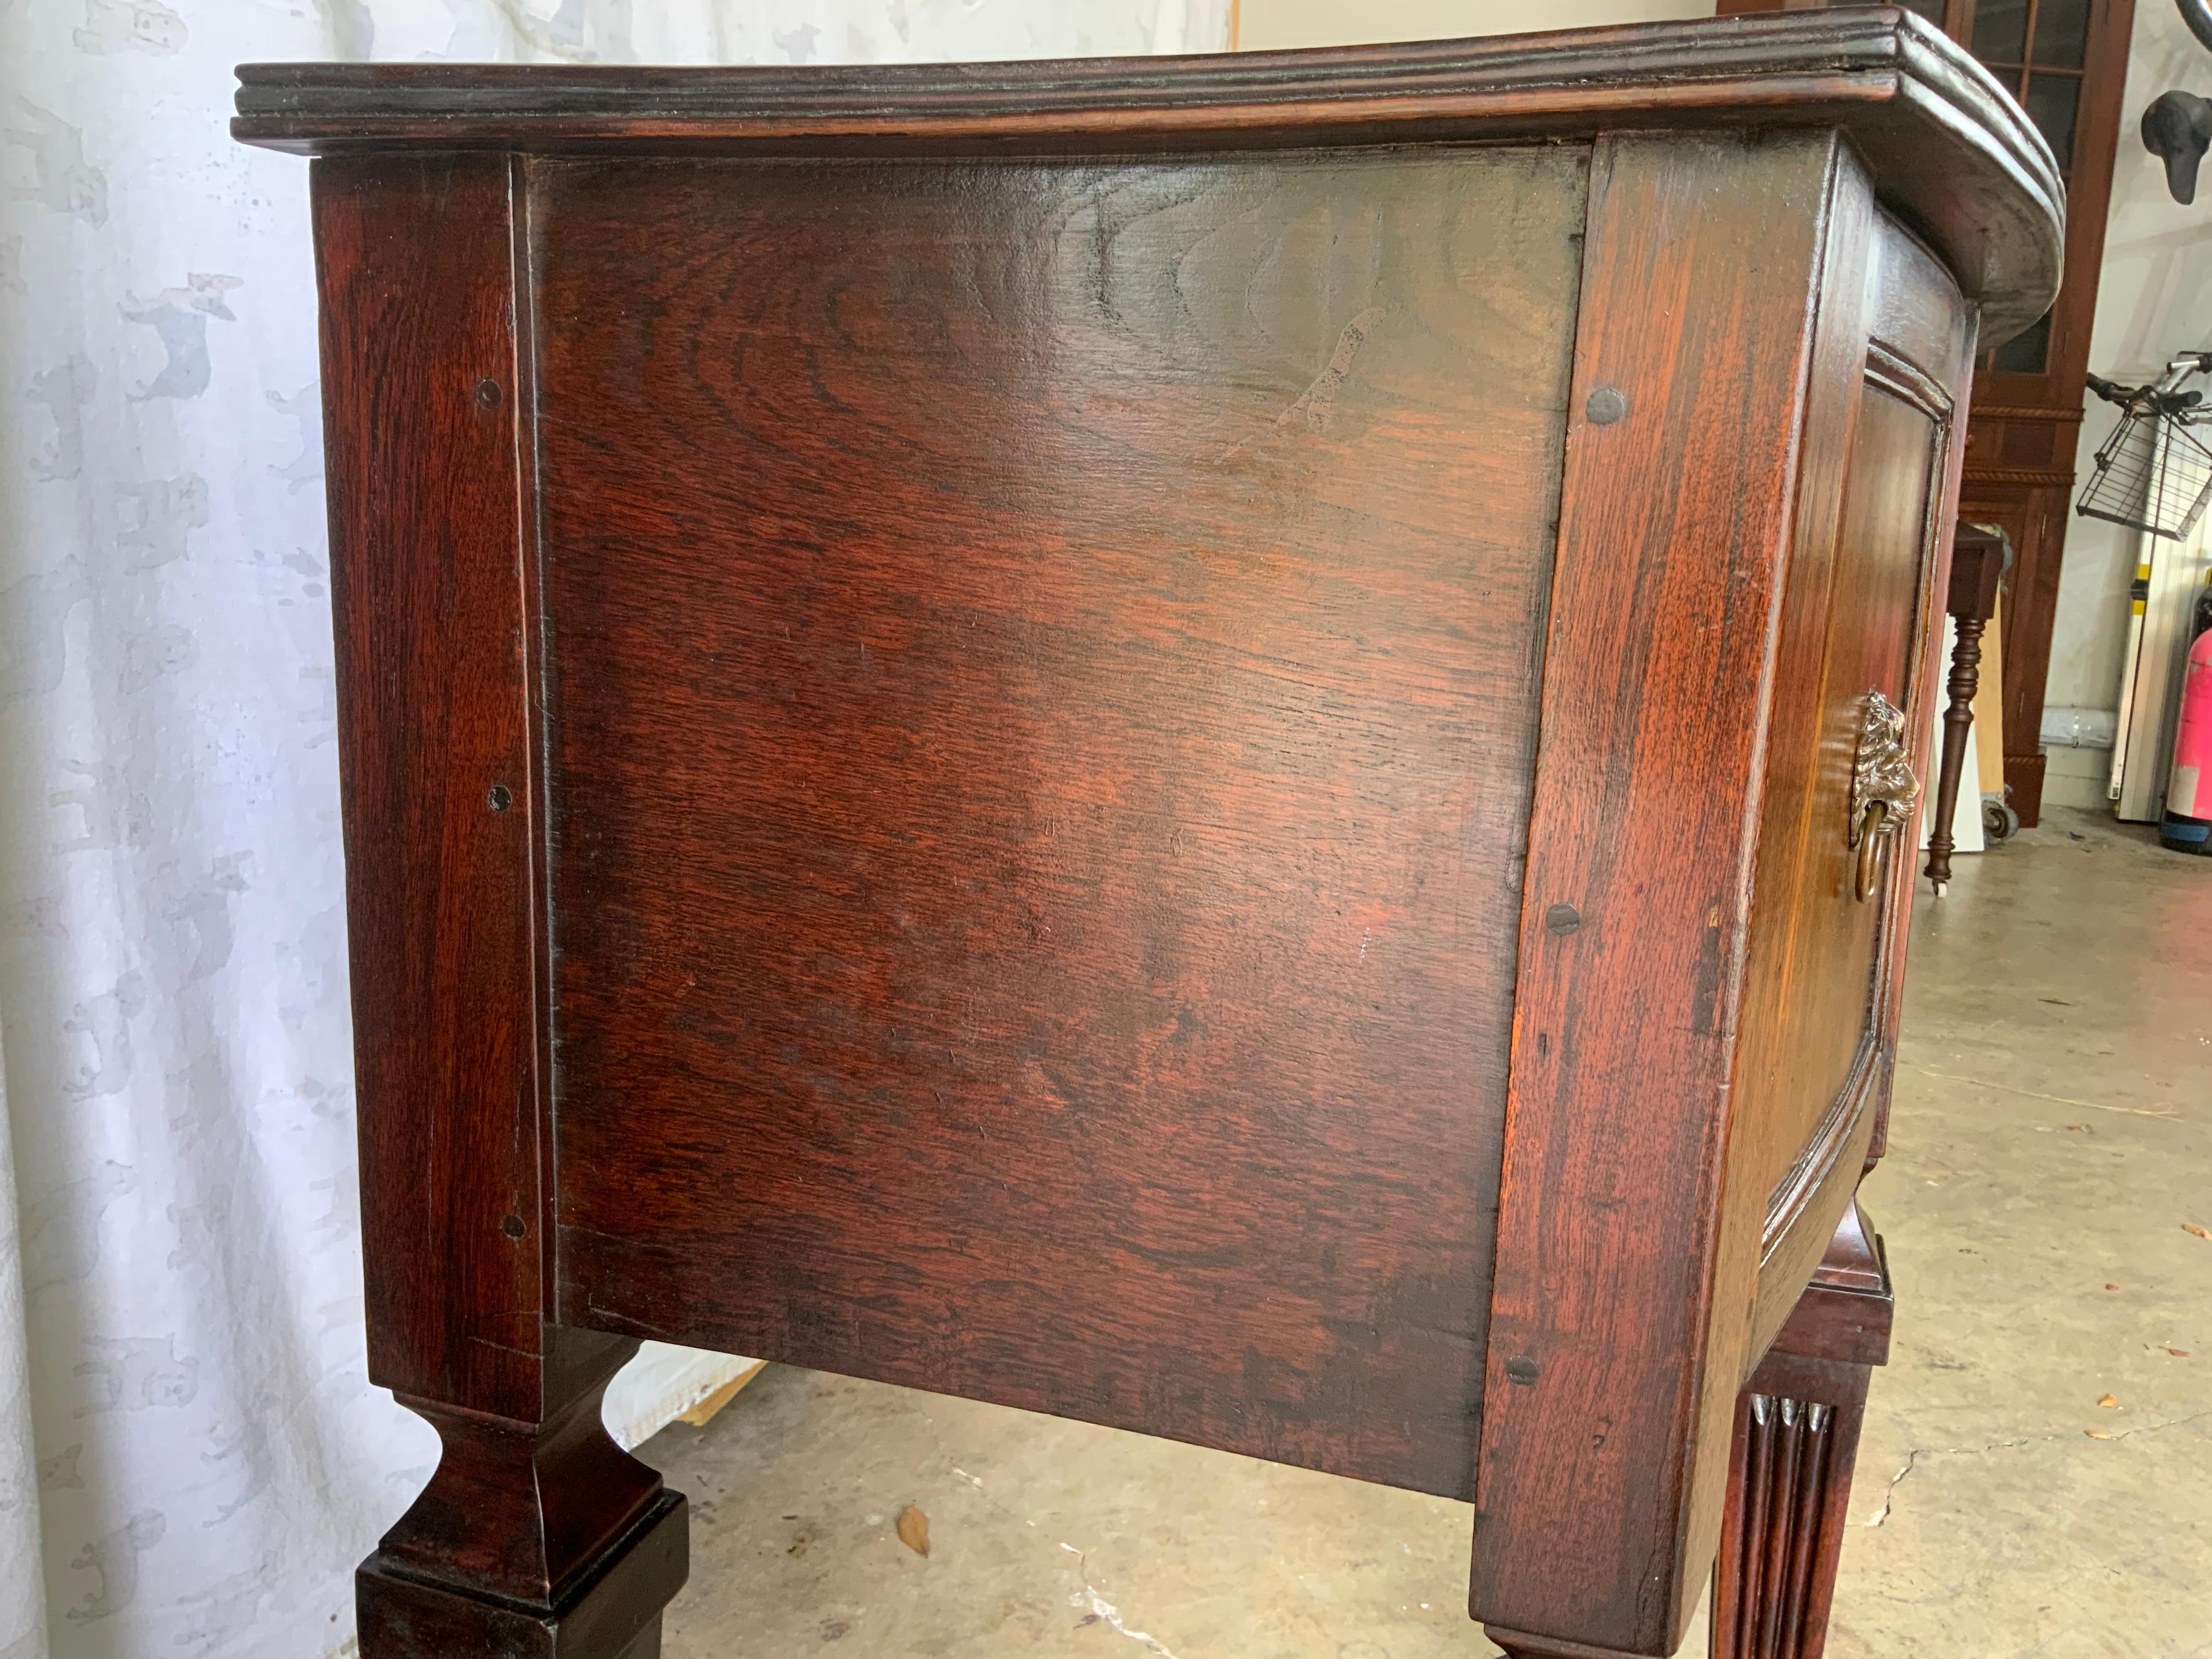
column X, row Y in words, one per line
column 1794, row 1452
column 1796, row 1439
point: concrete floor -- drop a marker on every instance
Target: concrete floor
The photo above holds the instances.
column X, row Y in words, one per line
column 2047, row 1148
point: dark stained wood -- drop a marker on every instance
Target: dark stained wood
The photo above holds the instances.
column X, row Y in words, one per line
column 1978, row 558
column 1796, row 1439
column 1070, row 867
column 1818, row 1040
column 428, row 604
column 1954, row 387
column 531, row 1502
column 2034, row 509
column 1882, row 76
column 2102, row 117
column 533, row 1541
column 1809, row 955
column 1795, row 1445
column 1604, row 1449
column 2022, row 438
column 1810, row 1065
column 1006, row 728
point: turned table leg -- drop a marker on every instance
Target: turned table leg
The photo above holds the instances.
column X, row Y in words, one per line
column 1796, row 1438
column 1958, row 718
column 1979, row 557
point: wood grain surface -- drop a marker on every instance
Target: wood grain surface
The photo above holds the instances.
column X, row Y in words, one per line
column 1993, row 205
column 1045, row 666
column 1806, row 923
column 1817, row 1025
column 536, row 1532
column 426, row 591
column 1010, row 729
column 1819, row 1055
column 1796, row 1439
column 1615, row 1350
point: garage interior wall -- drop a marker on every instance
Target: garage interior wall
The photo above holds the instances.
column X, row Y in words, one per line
column 2154, row 299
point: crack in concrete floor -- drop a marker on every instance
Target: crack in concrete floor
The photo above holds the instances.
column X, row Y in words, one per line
column 2162, row 1113
column 1101, row 1608
column 1913, row 1456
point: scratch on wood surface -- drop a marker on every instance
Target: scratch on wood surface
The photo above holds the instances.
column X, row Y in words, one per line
column 1314, row 405
column 626, row 1319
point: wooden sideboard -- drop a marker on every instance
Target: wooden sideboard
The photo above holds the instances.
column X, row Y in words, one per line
column 1215, row 745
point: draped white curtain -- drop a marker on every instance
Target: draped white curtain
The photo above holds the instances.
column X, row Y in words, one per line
column 191, row 1459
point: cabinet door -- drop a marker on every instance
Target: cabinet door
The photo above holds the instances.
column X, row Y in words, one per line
column 1820, row 1018
column 1840, row 938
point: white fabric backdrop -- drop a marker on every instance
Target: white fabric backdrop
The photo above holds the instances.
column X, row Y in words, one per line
column 191, row 1460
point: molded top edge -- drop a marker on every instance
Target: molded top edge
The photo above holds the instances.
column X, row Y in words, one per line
column 1917, row 106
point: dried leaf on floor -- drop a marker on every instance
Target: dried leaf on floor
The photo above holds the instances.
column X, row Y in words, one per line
column 2099, row 1434
column 2178, row 1353
column 2111, row 1287
column 914, row 1529
column 2191, row 1227
column 2109, row 1402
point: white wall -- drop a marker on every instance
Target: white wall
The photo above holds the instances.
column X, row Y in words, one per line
column 1264, row 23
column 2155, row 299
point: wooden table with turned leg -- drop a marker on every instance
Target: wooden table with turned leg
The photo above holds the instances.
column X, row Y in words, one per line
column 1222, row 746
column 1980, row 556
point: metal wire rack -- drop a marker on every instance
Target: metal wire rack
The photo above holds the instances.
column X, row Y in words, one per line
column 2154, row 473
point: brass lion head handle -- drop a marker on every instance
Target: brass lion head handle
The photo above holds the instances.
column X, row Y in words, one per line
column 1883, row 788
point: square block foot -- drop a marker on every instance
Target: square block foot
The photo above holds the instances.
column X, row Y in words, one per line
column 613, row 1613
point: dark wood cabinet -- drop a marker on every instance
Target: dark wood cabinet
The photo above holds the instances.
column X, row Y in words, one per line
column 1218, row 745
column 2066, row 63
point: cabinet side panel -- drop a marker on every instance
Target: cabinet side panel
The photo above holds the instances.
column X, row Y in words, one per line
column 415, row 256
column 1598, row 1501
column 1046, row 663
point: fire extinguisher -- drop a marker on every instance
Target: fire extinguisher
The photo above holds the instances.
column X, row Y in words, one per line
column 2187, row 825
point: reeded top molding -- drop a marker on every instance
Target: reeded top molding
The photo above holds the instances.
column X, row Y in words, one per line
column 1951, row 152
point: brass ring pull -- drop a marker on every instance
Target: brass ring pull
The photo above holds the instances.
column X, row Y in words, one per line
column 1883, row 789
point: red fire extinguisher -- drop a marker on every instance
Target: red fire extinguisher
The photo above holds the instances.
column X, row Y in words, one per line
column 2187, row 825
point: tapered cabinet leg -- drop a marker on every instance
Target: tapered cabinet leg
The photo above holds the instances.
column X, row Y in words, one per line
column 533, row 1541
column 1776, row 1579
column 1796, row 1439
